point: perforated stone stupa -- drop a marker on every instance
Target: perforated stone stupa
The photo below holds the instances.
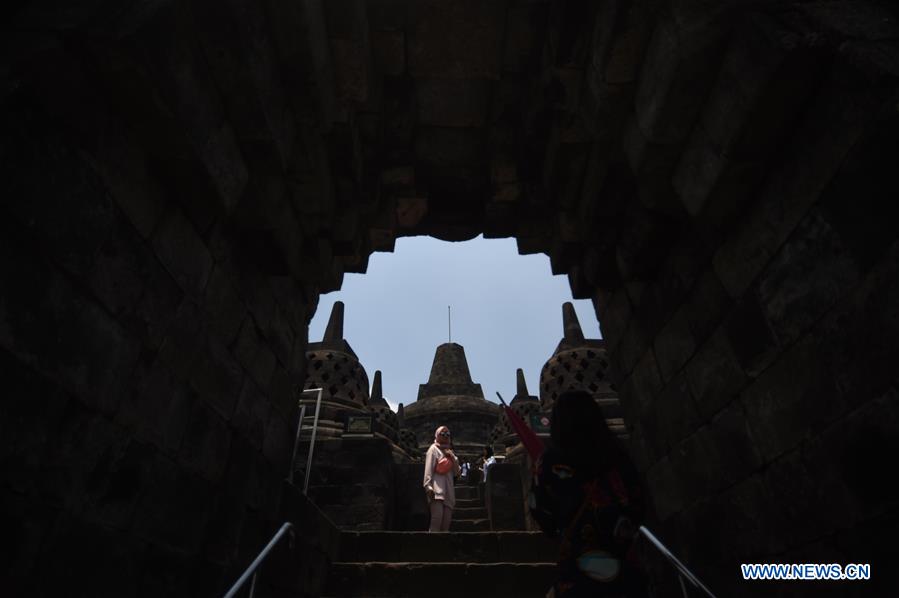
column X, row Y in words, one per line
column 579, row 363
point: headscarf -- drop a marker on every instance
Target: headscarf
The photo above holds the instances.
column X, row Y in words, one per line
column 443, row 443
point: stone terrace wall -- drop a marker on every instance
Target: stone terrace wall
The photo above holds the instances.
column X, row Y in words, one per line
column 760, row 371
column 718, row 177
column 148, row 377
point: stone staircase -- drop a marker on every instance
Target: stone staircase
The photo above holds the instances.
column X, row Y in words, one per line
column 468, row 561
column 470, row 514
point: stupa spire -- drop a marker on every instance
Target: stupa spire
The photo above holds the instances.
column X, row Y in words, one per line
column 450, row 365
column 572, row 327
column 450, row 375
column 521, row 387
column 377, row 395
column 334, row 330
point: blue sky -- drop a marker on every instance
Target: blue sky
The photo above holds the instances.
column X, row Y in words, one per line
column 506, row 312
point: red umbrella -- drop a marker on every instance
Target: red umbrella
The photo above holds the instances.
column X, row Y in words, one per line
column 529, row 438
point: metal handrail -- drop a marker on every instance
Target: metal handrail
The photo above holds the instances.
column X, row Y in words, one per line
column 296, row 442
column 251, row 570
column 682, row 570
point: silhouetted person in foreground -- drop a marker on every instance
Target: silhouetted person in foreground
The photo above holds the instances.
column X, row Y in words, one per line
column 587, row 491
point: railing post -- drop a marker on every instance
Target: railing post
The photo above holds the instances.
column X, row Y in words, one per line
column 681, row 568
column 318, row 405
column 296, row 443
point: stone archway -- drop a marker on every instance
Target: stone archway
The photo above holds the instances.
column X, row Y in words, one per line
column 182, row 181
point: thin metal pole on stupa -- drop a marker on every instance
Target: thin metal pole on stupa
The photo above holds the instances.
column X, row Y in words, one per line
column 449, row 322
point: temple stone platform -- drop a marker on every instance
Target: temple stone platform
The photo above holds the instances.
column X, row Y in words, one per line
column 448, row 564
column 461, row 562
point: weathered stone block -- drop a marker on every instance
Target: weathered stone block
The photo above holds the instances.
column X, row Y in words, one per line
column 283, row 395
column 677, row 413
column 223, row 305
column 256, row 358
column 184, row 340
column 806, row 277
column 206, row 443
column 112, row 568
column 680, row 62
column 645, row 384
column 731, row 437
column 674, row 345
column 616, row 318
column 28, row 419
column 27, row 524
column 85, row 445
column 225, row 524
column 173, row 507
column 280, row 335
column 765, row 75
column 125, row 170
column 665, row 488
column 832, row 124
column 183, row 253
column 119, row 271
column 389, row 52
column 452, row 102
column 91, row 355
column 458, row 39
column 53, row 194
column 714, row 374
column 844, row 461
column 217, row 378
column 158, row 407
column 633, row 346
column 251, row 414
column 750, row 336
column 859, row 338
column 705, row 305
column 792, row 401
column 278, row 442
column 504, row 497
column 743, row 506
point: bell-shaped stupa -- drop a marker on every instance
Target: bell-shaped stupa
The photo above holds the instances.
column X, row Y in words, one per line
column 579, row 363
column 450, row 398
column 332, row 365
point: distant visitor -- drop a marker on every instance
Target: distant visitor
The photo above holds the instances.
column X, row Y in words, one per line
column 488, row 461
column 441, row 466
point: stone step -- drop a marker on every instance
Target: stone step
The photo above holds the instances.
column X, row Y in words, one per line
column 460, row 513
column 435, row 580
column 464, row 547
column 470, row 525
column 466, row 492
column 468, row 503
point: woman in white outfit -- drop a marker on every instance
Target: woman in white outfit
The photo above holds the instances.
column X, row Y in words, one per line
column 441, row 466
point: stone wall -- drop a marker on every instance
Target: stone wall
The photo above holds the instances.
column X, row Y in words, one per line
column 758, row 370
column 149, row 374
column 504, row 498
column 411, row 513
column 180, row 181
column 352, row 480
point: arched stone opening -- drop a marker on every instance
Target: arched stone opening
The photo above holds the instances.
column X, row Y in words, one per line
column 183, row 180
